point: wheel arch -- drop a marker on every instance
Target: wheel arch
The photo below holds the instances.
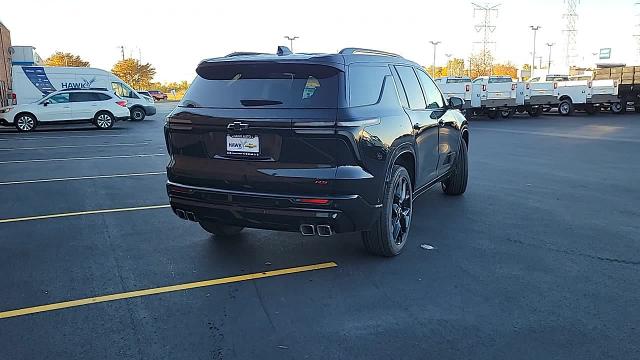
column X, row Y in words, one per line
column 405, row 156
column 103, row 111
column 25, row 113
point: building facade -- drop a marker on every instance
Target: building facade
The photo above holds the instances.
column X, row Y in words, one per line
column 5, row 65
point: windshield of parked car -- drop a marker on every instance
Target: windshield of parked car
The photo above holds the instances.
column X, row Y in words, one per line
column 263, row 84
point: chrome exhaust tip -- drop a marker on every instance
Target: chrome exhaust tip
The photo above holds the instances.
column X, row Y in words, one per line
column 307, row 230
column 181, row 214
column 191, row 216
column 324, row 230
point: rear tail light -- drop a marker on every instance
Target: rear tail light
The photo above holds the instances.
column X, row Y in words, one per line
column 122, row 103
column 589, row 84
column 555, row 85
column 14, row 99
column 313, row 201
column 484, row 87
column 615, row 83
column 467, row 88
column 513, row 86
column 528, row 86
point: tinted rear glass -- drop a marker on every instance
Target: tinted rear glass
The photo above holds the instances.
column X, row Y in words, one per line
column 499, row 80
column 458, row 81
column 365, row 84
column 271, row 85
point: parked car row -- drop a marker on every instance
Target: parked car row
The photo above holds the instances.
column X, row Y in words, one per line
column 43, row 94
column 501, row 95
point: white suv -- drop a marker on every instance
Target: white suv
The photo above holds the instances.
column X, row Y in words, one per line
column 100, row 107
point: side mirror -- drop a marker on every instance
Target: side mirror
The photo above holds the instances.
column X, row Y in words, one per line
column 456, row 103
column 46, row 103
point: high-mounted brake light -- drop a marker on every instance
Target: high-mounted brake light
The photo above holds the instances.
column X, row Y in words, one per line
column 313, row 201
column 122, row 103
column 467, row 88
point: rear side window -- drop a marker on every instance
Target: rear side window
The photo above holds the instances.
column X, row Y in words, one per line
column 83, row 97
column 365, row 84
column 103, row 97
column 266, row 84
column 411, row 87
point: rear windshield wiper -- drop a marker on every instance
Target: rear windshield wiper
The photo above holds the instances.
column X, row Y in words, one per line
column 257, row 102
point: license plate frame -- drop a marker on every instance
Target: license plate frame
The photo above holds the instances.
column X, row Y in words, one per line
column 243, row 145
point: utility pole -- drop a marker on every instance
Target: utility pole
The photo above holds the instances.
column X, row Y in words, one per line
column 291, row 38
column 486, row 27
column 435, row 45
column 121, row 47
column 549, row 44
column 637, row 35
column 571, row 16
column 535, row 29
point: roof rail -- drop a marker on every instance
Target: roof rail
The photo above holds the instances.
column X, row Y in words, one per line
column 243, row 53
column 353, row 51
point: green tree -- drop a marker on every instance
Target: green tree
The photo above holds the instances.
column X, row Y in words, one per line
column 134, row 73
column 60, row 58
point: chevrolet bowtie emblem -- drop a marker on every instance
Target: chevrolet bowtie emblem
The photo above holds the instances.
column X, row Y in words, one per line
column 237, row 126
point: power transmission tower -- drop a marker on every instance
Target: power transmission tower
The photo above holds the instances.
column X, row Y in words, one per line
column 571, row 17
column 485, row 27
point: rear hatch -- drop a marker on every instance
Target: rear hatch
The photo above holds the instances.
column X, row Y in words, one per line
column 265, row 127
column 501, row 88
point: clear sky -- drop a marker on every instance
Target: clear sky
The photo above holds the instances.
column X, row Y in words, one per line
column 175, row 35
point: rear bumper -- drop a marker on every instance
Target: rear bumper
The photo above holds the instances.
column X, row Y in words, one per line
column 345, row 213
column 149, row 110
column 494, row 103
column 542, row 100
column 603, row 99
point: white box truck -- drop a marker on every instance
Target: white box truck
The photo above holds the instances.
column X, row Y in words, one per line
column 31, row 83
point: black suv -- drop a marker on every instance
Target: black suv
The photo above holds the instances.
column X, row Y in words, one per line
column 315, row 143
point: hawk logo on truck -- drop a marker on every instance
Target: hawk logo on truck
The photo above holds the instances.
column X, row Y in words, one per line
column 85, row 84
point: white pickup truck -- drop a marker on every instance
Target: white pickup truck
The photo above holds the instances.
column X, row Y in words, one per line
column 456, row 86
column 587, row 95
column 494, row 94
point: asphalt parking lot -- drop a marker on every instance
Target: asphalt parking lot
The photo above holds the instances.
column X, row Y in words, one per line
column 540, row 259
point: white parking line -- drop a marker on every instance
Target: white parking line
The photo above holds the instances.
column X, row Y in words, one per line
column 81, row 158
column 81, row 213
column 72, row 146
column 59, row 137
column 81, row 178
column 561, row 135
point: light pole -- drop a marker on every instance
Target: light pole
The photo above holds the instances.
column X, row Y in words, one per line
column 291, row 38
column 549, row 64
column 535, row 29
column 435, row 45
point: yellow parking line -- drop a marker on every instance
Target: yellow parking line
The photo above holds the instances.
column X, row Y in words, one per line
column 165, row 289
column 79, row 213
column 18, row 182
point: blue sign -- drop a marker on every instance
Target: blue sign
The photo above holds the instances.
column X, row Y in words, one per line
column 39, row 79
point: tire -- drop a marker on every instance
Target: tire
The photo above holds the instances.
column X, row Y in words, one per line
column 220, row 230
column 138, row 114
column 492, row 114
column 456, row 183
column 104, row 120
column 505, row 114
column 535, row 112
column 565, row 108
column 389, row 234
column 617, row 108
column 25, row 122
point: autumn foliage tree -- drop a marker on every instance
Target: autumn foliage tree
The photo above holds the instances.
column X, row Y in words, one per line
column 134, row 73
column 455, row 67
column 481, row 64
column 507, row 69
column 60, row 58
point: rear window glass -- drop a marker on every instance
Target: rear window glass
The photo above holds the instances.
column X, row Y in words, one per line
column 365, row 84
column 499, row 80
column 272, row 85
column 458, row 81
